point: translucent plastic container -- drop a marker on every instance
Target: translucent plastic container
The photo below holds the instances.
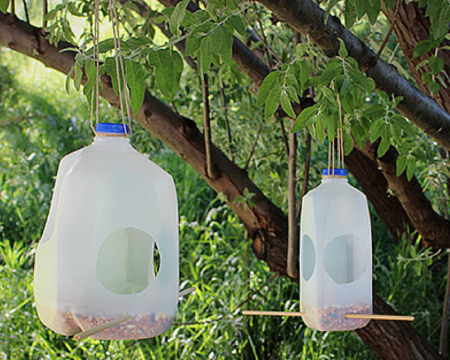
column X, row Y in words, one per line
column 335, row 255
column 110, row 244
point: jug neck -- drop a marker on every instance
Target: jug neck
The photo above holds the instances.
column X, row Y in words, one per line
column 340, row 180
column 100, row 139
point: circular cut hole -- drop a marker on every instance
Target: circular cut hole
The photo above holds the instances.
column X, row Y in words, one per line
column 345, row 259
column 308, row 260
column 128, row 261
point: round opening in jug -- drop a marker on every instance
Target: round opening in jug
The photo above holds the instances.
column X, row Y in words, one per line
column 345, row 259
column 128, row 261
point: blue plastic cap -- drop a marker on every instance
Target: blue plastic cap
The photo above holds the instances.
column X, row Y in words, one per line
column 337, row 172
column 108, row 128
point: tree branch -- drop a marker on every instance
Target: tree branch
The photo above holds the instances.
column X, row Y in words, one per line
column 434, row 229
column 308, row 18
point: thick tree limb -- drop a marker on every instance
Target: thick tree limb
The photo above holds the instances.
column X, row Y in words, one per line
column 434, row 229
column 308, row 18
column 266, row 224
column 376, row 188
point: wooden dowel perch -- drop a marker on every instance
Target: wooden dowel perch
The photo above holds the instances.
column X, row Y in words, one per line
column 380, row 317
column 102, row 327
column 348, row 316
column 272, row 313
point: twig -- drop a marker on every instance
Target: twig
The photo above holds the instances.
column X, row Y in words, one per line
column 292, row 223
column 266, row 51
column 44, row 13
column 262, row 39
column 391, row 28
column 254, row 147
column 174, row 108
column 443, row 342
column 225, row 110
column 13, row 7
column 210, row 168
column 285, row 138
column 25, row 7
column 305, row 177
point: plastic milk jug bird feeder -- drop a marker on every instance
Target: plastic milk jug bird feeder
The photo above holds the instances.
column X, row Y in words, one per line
column 335, row 258
column 107, row 263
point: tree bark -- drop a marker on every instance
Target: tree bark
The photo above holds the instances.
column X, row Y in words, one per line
column 434, row 229
column 376, row 187
column 411, row 26
column 266, row 223
column 308, row 18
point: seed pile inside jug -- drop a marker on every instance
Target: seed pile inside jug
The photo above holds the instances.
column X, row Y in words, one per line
column 138, row 327
column 333, row 317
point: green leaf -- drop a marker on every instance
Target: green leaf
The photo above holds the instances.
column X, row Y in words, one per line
column 411, row 167
column 385, row 142
column 135, row 77
column 272, row 102
column 349, row 13
column 342, row 49
column 426, row 77
column 286, row 105
column 333, row 69
column 349, row 144
column 400, row 122
column 434, row 87
column 373, row 10
column 345, row 88
column 376, row 129
column 422, row 48
column 73, row 10
column 110, row 67
column 389, row 4
column 237, row 23
column 50, row 15
column 206, row 54
column 331, row 122
column 401, row 164
column 270, row 81
column 374, row 111
column 292, row 93
column 361, row 8
column 305, row 118
column 436, row 64
column 193, row 43
column 320, row 129
column 177, row 17
column 168, row 66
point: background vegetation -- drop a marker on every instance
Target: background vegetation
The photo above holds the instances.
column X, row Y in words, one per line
column 40, row 123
